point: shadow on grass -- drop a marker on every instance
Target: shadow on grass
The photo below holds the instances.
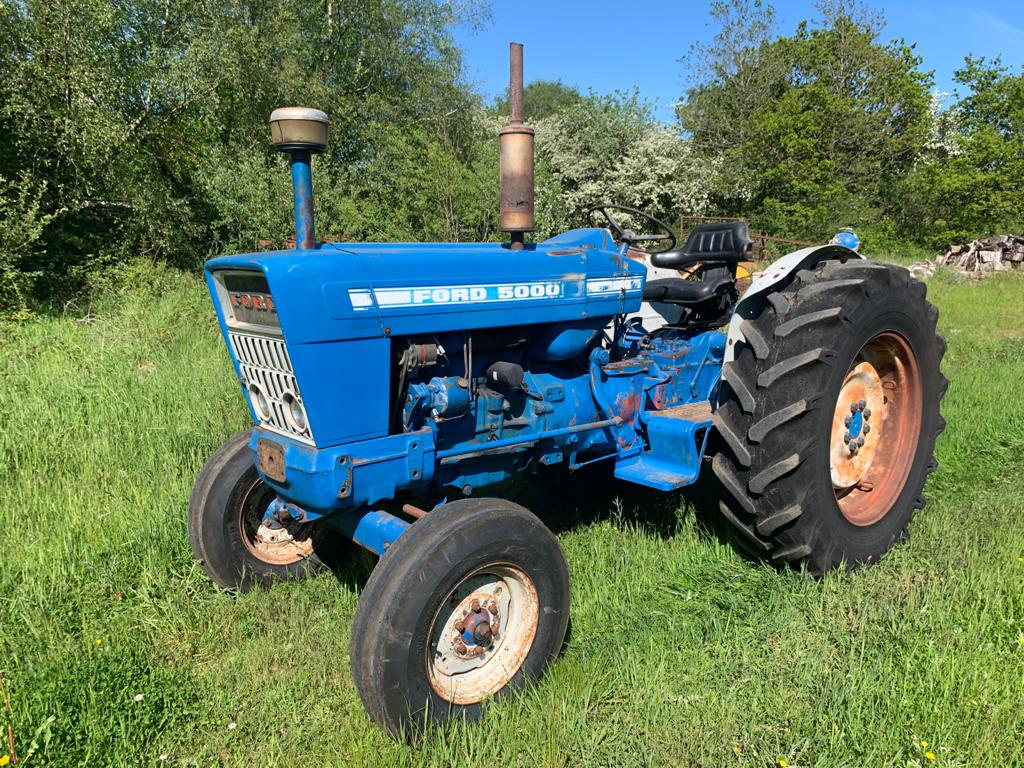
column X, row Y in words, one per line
column 350, row 564
column 567, row 502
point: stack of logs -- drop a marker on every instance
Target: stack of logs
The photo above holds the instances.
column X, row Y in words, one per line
column 990, row 254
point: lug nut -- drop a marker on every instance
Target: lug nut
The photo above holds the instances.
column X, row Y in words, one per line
column 867, row 428
column 493, row 608
column 853, row 408
column 847, row 437
column 460, row 626
column 862, row 404
column 860, row 441
column 867, row 413
column 475, row 605
column 459, row 646
column 848, row 420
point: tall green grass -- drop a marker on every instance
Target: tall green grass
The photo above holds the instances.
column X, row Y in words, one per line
column 116, row 650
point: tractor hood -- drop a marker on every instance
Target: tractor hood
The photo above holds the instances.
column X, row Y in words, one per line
column 367, row 290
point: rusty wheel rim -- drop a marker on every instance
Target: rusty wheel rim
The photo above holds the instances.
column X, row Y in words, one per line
column 876, row 426
column 481, row 634
column 283, row 546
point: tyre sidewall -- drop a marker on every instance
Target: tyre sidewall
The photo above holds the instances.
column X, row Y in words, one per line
column 215, row 520
column 443, row 558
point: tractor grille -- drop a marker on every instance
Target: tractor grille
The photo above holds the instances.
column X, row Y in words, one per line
column 266, row 366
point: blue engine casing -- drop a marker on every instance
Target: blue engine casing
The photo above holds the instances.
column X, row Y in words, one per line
column 368, row 368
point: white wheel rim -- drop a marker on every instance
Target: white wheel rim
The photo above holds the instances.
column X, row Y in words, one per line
column 464, row 672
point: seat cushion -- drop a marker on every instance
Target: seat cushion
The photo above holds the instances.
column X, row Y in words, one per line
column 675, row 290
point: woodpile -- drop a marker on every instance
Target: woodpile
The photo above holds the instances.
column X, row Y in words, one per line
column 990, row 254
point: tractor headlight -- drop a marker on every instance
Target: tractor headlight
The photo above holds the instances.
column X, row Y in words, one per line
column 294, row 412
column 259, row 401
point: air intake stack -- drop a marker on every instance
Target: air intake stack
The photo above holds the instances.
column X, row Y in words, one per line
column 302, row 133
column 516, row 158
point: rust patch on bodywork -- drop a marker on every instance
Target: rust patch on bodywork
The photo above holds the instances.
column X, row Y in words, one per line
column 270, row 458
column 627, row 404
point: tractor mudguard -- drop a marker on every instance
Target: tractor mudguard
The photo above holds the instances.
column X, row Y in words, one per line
column 778, row 273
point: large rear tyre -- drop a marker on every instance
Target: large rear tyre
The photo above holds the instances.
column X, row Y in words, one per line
column 829, row 414
column 469, row 604
column 224, row 525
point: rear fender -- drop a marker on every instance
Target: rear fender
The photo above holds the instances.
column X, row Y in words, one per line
column 776, row 274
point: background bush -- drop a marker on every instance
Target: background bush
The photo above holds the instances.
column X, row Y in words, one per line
column 137, row 129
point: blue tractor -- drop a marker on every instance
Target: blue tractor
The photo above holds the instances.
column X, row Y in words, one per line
column 386, row 378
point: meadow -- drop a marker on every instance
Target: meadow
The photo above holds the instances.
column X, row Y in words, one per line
column 115, row 649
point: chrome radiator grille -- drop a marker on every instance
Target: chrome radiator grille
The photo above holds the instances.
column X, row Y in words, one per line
column 267, row 371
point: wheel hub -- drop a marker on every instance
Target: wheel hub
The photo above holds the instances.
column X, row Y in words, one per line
column 875, row 428
column 269, row 533
column 478, row 629
column 854, row 445
column 482, row 633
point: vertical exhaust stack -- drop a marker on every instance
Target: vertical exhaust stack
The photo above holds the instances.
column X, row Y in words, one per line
column 302, row 133
column 516, row 158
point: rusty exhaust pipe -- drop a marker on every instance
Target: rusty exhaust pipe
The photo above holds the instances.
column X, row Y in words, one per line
column 516, row 159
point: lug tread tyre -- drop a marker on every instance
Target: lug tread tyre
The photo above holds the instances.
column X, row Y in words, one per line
column 756, row 339
column 773, row 408
column 761, row 429
column 739, row 449
column 740, row 390
column 752, row 538
column 784, row 368
column 768, row 524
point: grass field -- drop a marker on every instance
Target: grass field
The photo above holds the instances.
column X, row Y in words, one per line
column 116, row 649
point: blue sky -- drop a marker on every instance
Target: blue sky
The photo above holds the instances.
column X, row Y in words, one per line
column 608, row 45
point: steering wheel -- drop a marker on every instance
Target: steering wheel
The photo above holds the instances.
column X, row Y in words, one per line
column 628, row 236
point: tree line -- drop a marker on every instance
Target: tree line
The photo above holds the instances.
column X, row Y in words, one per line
column 137, row 129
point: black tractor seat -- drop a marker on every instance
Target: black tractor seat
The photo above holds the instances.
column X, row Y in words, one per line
column 676, row 290
column 725, row 243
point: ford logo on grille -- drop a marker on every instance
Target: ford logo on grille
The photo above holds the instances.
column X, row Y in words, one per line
column 260, row 302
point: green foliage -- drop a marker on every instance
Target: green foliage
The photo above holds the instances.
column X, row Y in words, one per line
column 967, row 184
column 819, row 124
column 610, row 149
column 417, row 186
column 732, row 79
column 147, row 121
column 21, row 224
column 543, row 98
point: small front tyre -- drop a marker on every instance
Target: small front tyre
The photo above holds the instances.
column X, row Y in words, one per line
column 470, row 603
column 225, row 514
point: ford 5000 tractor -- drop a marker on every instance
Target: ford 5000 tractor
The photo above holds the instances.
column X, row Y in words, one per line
column 384, row 378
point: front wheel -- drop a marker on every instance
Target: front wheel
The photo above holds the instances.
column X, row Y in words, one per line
column 829, row 414
column 470, row 603
column 225, row 525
